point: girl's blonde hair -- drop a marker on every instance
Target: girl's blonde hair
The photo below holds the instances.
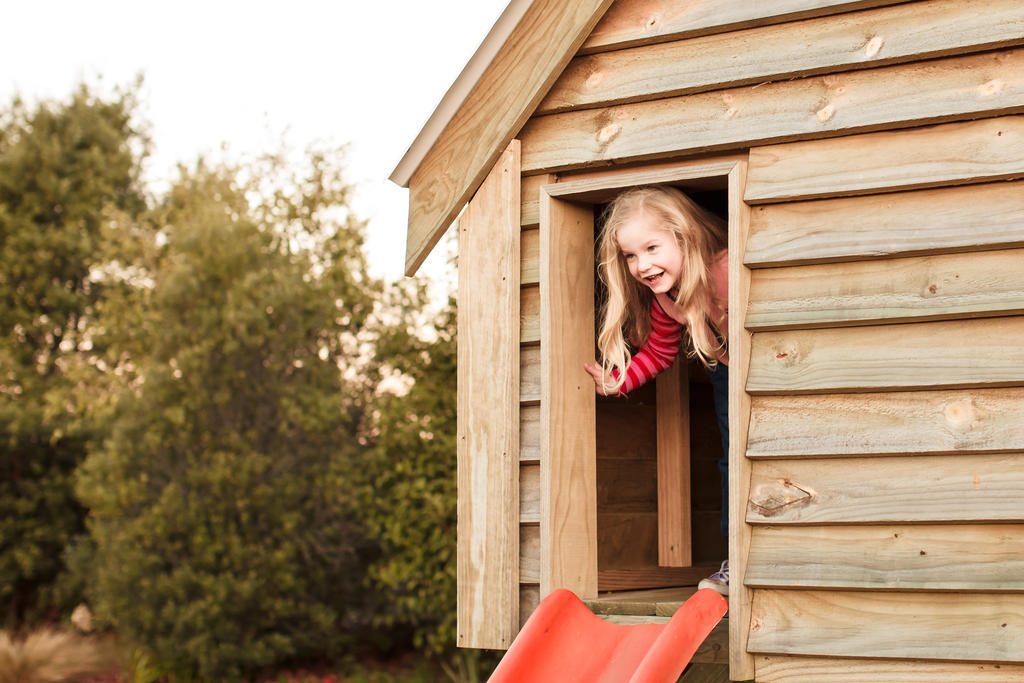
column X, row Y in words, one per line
column 627, row 309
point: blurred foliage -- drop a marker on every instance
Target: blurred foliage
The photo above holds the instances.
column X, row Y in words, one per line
column 409, row 493
column 66, row 170
column 224, row 524
column 260, row 435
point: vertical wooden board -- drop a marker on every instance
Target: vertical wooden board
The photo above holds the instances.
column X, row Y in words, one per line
column 983, row 352
column 496, row 108
column 949, row 626
column 568, row 467
column 904, row 33
column 675, row 543
column 793, row 669
column 898, row 423
column 741, row 664
column 892, row 160
column 911, row 489
column 488, row 401
column 962, row 557
column 948, row 219
column 918, row 93
column 907, row 289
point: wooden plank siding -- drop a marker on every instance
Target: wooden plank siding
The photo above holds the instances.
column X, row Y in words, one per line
column 529, row 434
column 969, row 627
column 529, row 314
column 953, row 88
column 985, row 352
column 530, row 389
column 962, row 218
column 529, row 493
column 899, row 290
column 628, row 23
column 961, row 557
column 794, row 669
column 872, row 38
column 917, row 489
column 488, row 470
column 945, row 154
column 896, row 423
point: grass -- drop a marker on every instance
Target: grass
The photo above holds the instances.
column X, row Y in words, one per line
column 52, row 656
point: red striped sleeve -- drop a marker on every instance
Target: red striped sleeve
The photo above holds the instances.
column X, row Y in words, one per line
column 657, row 353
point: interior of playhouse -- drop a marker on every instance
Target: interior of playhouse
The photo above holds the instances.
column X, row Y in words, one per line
column 627, row 476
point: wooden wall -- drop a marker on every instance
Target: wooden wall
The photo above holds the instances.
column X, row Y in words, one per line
column 886, row 264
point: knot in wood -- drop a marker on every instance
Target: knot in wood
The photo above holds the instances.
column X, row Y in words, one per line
column 773, row 498
column 595, row 79
column 991, row 88
column 826, row 112
column 606, row 134
column 786, row 355
column 963, row 416
column 872, row 47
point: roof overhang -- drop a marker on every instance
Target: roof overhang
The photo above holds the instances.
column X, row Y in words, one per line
column 499, row 89
column 459, row 91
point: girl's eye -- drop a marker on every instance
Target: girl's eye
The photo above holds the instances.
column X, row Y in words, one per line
column 628, row 256
column 653, row 247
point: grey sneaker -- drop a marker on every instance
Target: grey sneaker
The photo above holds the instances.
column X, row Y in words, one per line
column 719, row 581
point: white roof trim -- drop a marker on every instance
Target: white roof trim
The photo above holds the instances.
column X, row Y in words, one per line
column 460, row 89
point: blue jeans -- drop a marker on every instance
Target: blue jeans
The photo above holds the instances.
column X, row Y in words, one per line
column 720, row 389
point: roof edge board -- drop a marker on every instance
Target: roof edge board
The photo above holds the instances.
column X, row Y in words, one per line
column 459, row 91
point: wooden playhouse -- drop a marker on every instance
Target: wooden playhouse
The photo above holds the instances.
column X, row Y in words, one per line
column 866, row 154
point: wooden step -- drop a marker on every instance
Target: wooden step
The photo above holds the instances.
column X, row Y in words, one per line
column 655, row 602
column 656, row 606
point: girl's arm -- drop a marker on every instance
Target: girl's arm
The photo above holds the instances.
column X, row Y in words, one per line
column 657, row 353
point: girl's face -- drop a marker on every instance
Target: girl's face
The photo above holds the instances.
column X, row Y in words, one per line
column 651, row 252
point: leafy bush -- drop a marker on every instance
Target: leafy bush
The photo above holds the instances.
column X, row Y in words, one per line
column 409, row 485
column 223, row 522
column 65, row 169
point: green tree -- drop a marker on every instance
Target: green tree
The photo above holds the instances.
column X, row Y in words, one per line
column 66, row 171
column 409, row 490
column 220, row 508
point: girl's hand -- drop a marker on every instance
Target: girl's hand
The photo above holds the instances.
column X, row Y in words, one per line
column 601, row 380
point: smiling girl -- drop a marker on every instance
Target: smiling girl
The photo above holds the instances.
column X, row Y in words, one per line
column 664, row 261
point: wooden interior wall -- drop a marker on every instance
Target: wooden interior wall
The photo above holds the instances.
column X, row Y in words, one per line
column 885, row 297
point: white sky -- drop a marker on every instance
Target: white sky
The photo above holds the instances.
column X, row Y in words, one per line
column 244, row 73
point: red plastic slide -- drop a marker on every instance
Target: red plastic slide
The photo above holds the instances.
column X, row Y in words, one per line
column 564, row 641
